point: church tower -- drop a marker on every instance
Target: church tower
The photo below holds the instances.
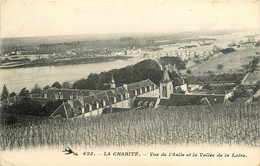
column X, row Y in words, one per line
column 166, row 87
column 113, row 83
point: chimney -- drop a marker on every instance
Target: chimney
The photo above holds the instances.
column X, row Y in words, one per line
column 90, row 107
column 125, row 86
column 97, row 105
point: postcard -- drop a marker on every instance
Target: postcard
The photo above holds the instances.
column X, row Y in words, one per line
column 130, row 83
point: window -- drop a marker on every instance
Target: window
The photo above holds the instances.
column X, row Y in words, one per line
column 164, row 88
column 148, row 88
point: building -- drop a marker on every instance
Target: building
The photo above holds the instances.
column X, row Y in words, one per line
column 193, row 99
column 90, row 103
column 138, row 95
column 166, row 86
column 67, row 94
column 168, row 96
column 142, row 94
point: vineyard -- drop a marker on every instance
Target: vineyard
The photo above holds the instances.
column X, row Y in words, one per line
column 189, row 125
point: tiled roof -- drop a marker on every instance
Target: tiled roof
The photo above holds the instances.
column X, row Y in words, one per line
column 77, row 103
column 102, row 96
column 120, row 90
column 105, row 95
column 192, row 99
column 64, row 111
column 67, row 92
column 110, row 93
column 139, row 84
column 165, row 78
column 90, row 99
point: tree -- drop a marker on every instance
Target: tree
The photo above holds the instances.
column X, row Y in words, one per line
column 36, row 91
column 211, row 73
column 241, row 42
column 188, row 71
column 5, row 93
column 46, row 87
column 257, row 86
column 56, row 85
column 26, row 106
column 220, row 67
column 24, row 92
column 147, row 69
column 12, row 94
column 66, row 85
column 216, row 49
column 232, row 44
column 50, row 107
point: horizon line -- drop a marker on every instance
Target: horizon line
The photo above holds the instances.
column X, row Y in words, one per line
column 137, row 33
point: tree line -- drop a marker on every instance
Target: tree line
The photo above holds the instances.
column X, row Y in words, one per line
column 147, row 69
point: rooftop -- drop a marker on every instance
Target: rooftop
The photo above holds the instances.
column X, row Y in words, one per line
column 177, row 99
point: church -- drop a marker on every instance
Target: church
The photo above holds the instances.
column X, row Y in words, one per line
column 143, row 94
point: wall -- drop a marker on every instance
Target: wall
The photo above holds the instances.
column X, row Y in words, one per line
column 123, row 104
column 93, row 113
column 153, row 93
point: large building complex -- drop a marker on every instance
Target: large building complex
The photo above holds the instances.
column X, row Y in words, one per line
column 127, row 97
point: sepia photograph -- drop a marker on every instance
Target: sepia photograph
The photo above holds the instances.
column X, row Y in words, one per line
column 129, row 83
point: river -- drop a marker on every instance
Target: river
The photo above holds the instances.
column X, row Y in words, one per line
column 17, row 78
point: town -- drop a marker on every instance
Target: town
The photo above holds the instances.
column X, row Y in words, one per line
column 183, row 88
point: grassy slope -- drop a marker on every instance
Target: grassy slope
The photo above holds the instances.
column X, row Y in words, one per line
column 235, row 61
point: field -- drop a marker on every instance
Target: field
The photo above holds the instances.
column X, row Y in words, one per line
column 193, row 125
column 253, row 77
column 234, row 61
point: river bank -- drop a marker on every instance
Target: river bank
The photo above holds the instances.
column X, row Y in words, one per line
column 17, row 78
column 61, row 62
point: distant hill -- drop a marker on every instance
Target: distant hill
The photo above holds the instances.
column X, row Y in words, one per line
column 20, row 41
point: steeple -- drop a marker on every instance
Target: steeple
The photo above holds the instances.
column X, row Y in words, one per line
column 165, row 78
column 166, row 87
column 113, row 83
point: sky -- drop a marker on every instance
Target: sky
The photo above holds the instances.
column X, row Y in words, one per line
column 43, row 18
